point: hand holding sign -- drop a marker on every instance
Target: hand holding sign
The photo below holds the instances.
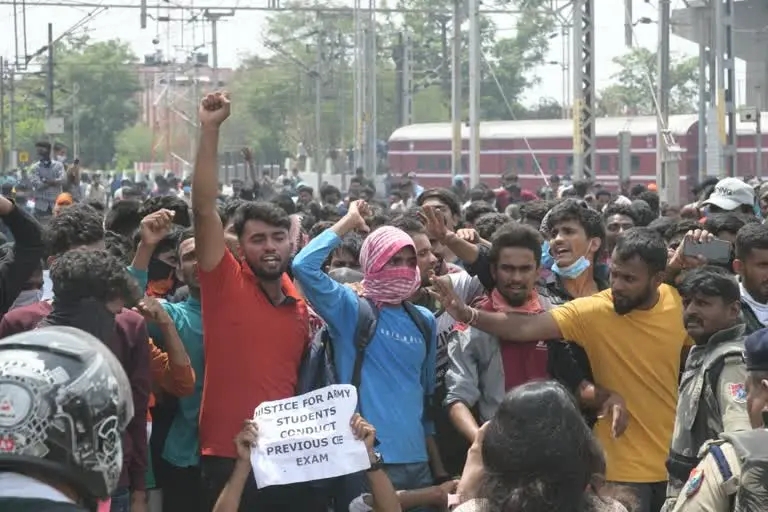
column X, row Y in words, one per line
column 246, row 440
column 309, row 437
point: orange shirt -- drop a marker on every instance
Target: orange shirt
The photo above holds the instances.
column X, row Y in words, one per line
column 253, row 349
column 175, row 379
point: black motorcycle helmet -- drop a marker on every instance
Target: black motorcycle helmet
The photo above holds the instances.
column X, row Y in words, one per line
column 64, row 404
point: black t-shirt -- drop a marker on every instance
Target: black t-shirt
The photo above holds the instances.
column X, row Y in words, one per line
column 37, row 505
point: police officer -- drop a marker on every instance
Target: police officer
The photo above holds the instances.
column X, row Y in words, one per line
column 712, row 399
column 728, row 479
column 64, row 404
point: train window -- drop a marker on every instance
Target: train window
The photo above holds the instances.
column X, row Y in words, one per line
column 569, row 163
column 521, row 163
column 635, row 163
column 553, row 163
column 432, row 163
column 421, row 163
column 509, row 164
column 442, row 164
column 605, row 162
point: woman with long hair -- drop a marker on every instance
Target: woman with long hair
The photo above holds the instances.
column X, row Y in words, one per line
column 536, row 455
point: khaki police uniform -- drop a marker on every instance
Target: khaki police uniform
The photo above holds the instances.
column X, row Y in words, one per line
column 705, row 490
column 709, row 403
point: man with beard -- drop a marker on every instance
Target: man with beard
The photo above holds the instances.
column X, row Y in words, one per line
column 751, row 264
column 254, row 322
column 712, row 398
column 634, row 337
column 483, row 367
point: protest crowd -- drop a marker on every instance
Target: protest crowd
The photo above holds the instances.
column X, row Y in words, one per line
column 572, row 349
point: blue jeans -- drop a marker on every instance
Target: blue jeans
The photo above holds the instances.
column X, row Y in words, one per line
column 121, row 501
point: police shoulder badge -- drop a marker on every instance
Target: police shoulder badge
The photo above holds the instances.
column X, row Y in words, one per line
column 694, row 482
column 738, row 392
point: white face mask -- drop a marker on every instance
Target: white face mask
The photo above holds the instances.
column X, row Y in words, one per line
column 27, row 297
column 61, row 158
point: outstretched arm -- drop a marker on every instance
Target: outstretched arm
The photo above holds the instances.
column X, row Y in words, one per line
column 209, row 233
column 507, row 326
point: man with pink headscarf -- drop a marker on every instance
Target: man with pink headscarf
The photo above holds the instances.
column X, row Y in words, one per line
column 399, row 364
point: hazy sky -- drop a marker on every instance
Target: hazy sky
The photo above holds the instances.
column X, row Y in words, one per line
column 242, row 35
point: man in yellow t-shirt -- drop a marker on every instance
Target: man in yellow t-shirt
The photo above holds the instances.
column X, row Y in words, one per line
column 634, row 336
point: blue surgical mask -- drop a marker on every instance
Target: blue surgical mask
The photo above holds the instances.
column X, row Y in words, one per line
column 546, row 258
column 573, row 270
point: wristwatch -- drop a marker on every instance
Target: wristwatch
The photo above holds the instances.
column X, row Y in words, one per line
column 377, row 462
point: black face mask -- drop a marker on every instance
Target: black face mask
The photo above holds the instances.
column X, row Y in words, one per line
column 159, row 270
column 90, row 315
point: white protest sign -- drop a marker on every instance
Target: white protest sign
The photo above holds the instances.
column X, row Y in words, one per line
column 307, row 437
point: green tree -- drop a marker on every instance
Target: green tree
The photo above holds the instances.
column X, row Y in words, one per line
column 636, row 82
column 134, row 144
column 97, row 83
column 510, row 68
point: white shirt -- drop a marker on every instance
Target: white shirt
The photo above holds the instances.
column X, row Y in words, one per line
column 15, row 485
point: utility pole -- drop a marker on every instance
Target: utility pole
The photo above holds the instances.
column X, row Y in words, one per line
column 75, row 122
column 359, row 92
column 726, row 80
column 701, row 156
column 50, row 106
column 456, row 97
column 370, row 156
column 474, row 93
column 628, row 24
column 214, row 17
column 2, row 115
column 404, row 82
column 318, row 160
column 584, row 88
column 662, row 93
column 759, row 136
column 12, row 117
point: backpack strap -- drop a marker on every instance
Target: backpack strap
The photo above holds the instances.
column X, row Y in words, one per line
column 367, row 318
column 420, row 321
column 426, row 332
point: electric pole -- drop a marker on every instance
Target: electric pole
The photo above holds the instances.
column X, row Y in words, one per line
column 359, row 79
column 584, row 88
column 474, row 93
column 2, row 115
column 50, row 106
column 318, row 160
column 12, row 117
column 214, row 16
column 662, row 94
column 456, row 96
column 701, row 157
column 726, row 80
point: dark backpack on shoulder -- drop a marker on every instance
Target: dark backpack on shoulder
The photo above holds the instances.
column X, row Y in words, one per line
column 318, row 369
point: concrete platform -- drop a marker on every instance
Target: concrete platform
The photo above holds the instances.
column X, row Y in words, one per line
column 750, row 40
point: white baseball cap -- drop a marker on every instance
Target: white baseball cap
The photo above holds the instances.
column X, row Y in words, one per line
column 731, row 193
